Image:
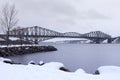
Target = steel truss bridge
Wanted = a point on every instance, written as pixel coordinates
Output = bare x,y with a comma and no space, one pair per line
37,34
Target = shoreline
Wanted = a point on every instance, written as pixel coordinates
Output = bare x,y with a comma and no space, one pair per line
7,51
53,71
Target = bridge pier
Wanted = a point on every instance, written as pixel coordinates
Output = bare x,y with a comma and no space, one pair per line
36,41
109,40
97,41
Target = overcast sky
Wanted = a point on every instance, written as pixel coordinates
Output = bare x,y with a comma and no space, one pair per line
70,15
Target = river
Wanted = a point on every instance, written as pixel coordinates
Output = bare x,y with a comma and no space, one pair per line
86,56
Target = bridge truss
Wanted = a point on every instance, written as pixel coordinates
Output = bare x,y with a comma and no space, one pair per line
36,33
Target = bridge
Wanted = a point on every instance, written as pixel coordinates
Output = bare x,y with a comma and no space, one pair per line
37,34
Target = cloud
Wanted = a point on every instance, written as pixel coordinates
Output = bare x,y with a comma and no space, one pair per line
71,15
93,14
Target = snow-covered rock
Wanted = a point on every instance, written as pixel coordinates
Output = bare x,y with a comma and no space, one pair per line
31,62
80,71
41,63
4,59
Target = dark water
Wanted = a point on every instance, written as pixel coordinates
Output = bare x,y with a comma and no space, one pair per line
86,56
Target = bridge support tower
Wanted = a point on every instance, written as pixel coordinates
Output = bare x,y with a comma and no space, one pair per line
109,40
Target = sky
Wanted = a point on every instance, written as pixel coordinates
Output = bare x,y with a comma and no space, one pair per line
69,15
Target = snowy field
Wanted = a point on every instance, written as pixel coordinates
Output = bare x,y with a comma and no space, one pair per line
50,71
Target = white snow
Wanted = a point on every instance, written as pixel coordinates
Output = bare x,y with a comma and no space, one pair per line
109,70
19,45
50,71
14,38
1,39
41,62
105,41
4,59
64,39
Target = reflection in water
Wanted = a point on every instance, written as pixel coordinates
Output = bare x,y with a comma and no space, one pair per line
86,56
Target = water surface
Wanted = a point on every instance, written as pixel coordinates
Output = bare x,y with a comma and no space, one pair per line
86,56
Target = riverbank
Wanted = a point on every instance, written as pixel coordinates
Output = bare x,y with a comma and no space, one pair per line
53,72
6,51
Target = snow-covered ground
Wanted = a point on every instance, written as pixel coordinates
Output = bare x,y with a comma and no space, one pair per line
13,38
62,40
50,71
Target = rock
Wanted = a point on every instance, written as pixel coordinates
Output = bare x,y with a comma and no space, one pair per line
20,50
41,63
32,62
97,72
64,69
10,62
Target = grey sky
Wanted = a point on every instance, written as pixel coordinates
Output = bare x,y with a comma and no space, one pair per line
70,15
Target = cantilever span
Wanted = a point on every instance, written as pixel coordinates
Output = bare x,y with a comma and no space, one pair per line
39,34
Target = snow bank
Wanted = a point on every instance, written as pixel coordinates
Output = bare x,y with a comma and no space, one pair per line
109,70
4,59
50,71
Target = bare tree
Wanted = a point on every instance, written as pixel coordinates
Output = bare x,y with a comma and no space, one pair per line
8,19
